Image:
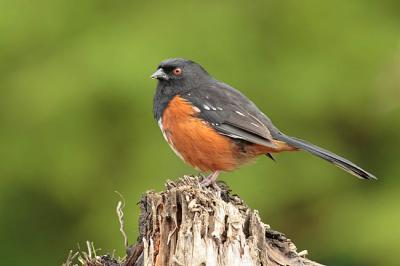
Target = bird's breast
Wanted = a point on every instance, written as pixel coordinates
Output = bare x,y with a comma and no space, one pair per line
194,141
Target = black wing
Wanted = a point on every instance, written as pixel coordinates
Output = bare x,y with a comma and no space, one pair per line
231,113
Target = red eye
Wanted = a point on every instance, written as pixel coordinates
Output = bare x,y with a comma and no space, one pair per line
177,71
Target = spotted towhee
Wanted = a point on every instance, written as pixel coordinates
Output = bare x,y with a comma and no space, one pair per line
214,127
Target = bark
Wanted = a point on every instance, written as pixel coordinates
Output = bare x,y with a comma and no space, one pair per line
188,224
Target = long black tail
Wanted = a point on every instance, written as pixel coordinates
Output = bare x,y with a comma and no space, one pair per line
326,155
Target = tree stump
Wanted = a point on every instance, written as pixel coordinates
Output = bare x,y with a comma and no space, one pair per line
188,224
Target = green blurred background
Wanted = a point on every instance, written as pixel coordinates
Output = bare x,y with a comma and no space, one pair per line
76,118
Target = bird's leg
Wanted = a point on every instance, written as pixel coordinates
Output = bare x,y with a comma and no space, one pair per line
210,180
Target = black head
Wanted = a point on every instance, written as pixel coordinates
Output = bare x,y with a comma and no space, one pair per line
176,76
180,71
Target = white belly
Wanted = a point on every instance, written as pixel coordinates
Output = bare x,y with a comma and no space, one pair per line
171,144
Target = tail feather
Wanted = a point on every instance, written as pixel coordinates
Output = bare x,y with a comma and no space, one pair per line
327,155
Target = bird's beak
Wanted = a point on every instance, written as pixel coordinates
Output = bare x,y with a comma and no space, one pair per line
160,74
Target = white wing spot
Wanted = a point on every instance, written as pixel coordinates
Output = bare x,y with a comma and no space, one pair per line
239,113
206,107
214,109
220,108
197,110
233,136
255,124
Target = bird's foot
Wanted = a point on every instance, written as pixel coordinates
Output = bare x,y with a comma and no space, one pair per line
210,181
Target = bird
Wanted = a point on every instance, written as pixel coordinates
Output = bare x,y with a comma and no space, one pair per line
215,128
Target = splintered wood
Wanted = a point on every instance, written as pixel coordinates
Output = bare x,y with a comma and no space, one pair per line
190,225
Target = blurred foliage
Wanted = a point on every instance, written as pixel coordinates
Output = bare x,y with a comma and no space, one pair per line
76,118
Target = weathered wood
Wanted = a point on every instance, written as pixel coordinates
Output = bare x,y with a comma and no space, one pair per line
188,224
